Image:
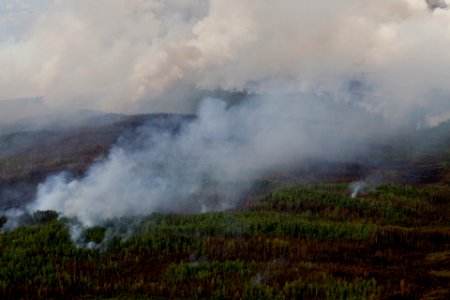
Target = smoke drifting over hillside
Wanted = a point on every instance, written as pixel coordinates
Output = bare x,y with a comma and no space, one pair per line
323,76
208,162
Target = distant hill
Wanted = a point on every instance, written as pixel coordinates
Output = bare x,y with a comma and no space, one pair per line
32,114
14,109
33,148
27,157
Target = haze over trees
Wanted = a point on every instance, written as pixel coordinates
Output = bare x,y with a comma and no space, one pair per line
212,149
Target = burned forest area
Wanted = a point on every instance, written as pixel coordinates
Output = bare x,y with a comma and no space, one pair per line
374,227
225,149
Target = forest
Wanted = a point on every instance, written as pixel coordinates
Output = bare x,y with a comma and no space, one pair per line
292,242
289,237
162,149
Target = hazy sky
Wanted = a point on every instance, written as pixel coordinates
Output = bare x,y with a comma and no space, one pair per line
17,15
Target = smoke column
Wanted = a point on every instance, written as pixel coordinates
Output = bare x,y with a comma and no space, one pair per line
207,163
126,55
326,77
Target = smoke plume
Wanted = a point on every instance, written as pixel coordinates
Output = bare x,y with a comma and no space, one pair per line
324,78
206,163
117,55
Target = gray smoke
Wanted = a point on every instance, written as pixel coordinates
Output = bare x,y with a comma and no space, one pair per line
211,160
357,187
433,4
116,55
321,88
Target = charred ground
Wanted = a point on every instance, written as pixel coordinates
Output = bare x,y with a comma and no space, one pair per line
29,157
296,234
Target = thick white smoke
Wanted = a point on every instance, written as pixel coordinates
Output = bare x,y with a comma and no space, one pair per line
326,75
115,55
210,161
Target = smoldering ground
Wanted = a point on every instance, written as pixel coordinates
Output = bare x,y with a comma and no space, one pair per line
207,163
328,79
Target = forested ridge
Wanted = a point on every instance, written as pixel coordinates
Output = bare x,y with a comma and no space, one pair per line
212,149
295,234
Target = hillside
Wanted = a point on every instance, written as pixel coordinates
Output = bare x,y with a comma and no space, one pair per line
302,149
296,234
28,157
